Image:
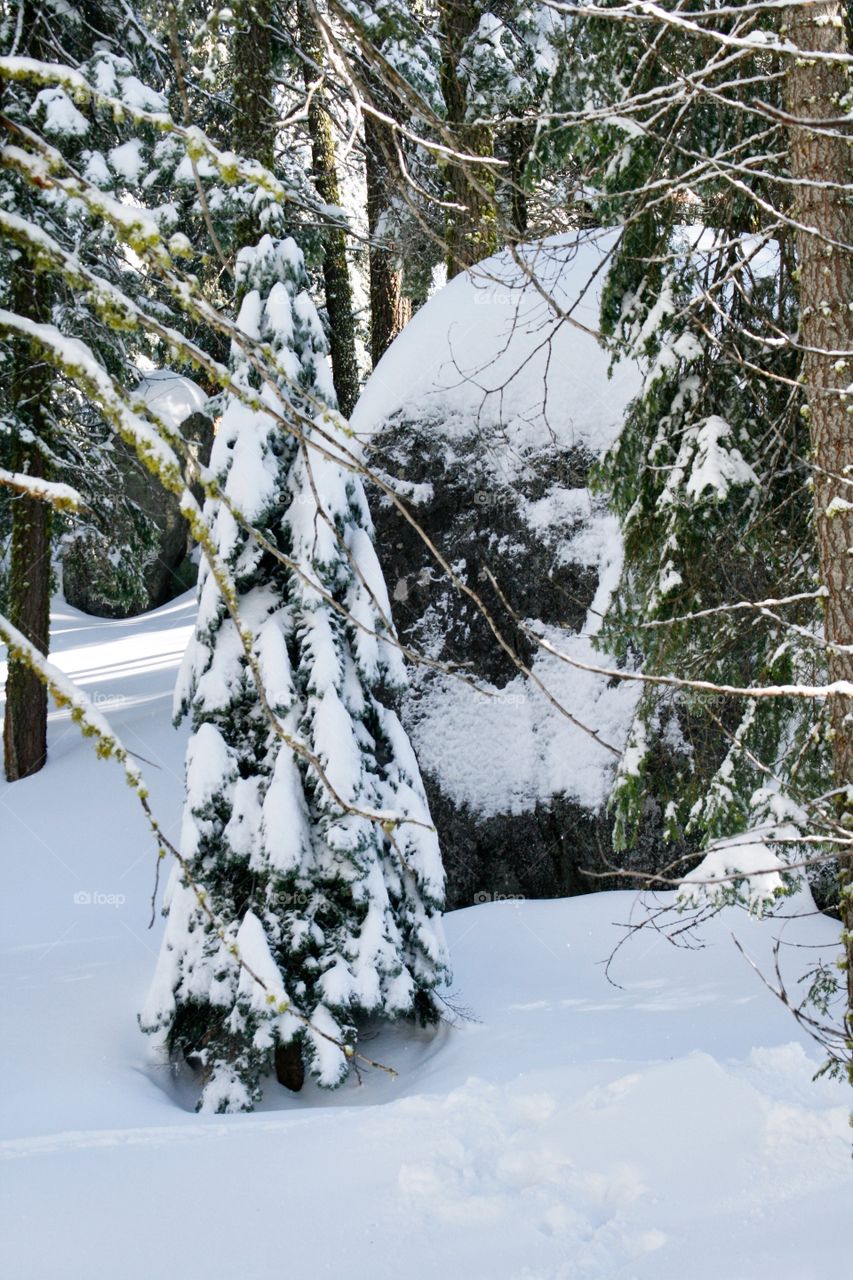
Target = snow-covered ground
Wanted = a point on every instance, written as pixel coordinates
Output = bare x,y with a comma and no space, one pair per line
665,1129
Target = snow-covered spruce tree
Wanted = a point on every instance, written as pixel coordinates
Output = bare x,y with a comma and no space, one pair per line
336,910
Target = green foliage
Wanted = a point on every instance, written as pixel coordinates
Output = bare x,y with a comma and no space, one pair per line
102,144
710,473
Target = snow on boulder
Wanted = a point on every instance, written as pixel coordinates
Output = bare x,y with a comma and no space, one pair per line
485,416
172,396
510,345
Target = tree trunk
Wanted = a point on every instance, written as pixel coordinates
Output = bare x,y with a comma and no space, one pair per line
25,726
815,91
339,304
518,144
471,226
289,1066
390,311
253,123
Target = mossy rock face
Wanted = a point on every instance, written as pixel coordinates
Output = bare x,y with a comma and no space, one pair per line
478,523
557,849
513,518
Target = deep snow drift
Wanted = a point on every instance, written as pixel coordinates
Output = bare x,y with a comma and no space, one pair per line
661,1130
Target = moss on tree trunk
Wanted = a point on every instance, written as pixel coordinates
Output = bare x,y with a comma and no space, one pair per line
25,726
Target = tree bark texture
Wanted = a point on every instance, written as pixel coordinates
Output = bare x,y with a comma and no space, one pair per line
25,724
471,224
821,154
254,121
339,304
390,310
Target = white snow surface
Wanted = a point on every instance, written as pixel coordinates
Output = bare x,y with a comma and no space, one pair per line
571,1130
485,345
172,396
502,750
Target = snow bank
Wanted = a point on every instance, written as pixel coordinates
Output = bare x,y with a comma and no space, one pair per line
571,1130
172,396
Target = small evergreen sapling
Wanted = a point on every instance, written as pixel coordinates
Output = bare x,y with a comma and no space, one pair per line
336,910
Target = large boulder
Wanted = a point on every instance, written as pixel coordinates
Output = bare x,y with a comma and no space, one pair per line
484,417
143,559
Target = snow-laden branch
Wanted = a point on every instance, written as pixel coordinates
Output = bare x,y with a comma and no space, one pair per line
61,496
811,692
230,167
647,12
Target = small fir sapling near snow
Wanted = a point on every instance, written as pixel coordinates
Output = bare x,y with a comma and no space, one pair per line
337,912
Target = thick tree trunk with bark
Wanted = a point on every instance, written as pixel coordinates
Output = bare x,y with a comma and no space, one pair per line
823,154
253,118
518,143
339,305
25,725
253,126
471,225
390,310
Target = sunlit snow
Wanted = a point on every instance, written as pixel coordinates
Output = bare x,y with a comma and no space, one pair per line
561,1128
